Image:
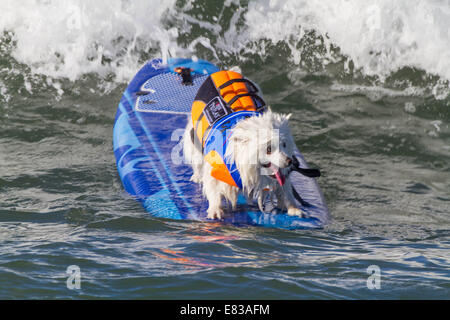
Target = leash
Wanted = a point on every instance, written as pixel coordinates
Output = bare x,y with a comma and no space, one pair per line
307,172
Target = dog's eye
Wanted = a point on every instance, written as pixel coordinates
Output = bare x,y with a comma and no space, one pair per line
269,149
284,144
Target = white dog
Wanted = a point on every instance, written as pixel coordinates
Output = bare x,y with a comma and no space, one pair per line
262,148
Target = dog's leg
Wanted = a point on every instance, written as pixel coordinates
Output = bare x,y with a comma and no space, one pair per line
279,193
192,155
213,192
249,197
289,201
197,175
214,200
214,210
231,194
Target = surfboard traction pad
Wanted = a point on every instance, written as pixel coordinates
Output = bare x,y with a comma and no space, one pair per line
149,124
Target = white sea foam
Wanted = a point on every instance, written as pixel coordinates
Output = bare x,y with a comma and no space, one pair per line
379,36
377,93
69,38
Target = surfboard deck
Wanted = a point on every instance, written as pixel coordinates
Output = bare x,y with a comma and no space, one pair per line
148,128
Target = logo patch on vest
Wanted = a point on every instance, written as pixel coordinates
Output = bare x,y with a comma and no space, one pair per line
215,110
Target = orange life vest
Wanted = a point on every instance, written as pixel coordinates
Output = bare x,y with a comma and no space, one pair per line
223,95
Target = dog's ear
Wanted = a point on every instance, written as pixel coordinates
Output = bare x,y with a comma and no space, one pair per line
288,116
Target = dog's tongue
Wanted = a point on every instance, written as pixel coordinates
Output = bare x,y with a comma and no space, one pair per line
280,177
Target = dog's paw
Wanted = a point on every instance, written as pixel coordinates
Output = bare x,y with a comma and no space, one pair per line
293,211
215,214
196,178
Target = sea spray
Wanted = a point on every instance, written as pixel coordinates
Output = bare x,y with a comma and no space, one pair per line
386,44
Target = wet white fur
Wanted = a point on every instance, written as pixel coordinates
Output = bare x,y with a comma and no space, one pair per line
248,149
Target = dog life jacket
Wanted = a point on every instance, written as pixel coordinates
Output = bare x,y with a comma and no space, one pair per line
224,99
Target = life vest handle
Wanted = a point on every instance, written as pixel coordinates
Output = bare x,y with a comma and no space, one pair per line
254,88
248,94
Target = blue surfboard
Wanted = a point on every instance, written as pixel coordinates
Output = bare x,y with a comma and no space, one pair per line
148,128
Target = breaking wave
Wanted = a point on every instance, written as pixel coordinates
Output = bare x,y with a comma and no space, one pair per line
388,43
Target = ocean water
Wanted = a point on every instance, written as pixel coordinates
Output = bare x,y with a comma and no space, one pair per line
367,84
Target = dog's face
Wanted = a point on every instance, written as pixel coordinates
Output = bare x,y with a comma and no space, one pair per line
263,146
275,153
